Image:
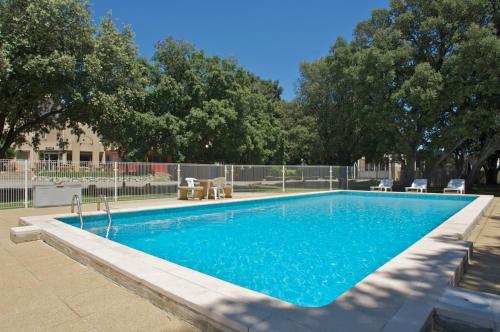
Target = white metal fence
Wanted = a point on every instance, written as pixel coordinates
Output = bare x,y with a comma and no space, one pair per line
140,180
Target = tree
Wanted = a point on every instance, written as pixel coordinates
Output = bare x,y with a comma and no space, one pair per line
302,141
119,90
421,80
57,69
44,68
474,70
428,33
327,92
211,109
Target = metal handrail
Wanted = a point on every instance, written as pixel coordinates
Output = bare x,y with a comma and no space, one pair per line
100,198
76,198
106,205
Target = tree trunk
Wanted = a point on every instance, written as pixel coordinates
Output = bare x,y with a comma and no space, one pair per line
407,171
431,172
492,169
491,146
4,149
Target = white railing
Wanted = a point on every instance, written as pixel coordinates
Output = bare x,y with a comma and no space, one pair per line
14,179
141,180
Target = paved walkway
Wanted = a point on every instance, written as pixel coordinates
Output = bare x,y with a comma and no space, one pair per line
41,289
44,290
483,274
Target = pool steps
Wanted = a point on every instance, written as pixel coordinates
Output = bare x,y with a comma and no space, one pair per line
25,234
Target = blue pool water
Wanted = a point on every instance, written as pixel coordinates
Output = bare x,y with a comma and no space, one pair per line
306,250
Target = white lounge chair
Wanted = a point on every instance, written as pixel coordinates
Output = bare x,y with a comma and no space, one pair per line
384,185
456,186
418,185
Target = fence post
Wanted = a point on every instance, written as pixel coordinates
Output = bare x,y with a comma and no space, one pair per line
225,174
347,178
390,169
331,184
232,177
178,177
115,178
26,183
283,172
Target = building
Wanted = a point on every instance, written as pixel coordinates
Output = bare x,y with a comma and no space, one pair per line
63,146
378,170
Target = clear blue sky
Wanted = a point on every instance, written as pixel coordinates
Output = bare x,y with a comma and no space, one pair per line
270,38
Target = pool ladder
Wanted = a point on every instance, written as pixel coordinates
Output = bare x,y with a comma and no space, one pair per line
76,198
104,198
100,198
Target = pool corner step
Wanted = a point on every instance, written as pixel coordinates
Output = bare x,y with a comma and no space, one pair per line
25,234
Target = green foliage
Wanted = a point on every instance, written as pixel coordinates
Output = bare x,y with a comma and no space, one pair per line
58,69
327,93
419,80
206,109
44,78
120,80
302,138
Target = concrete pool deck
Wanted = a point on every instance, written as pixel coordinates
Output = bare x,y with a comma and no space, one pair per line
42,289
483,272
34,260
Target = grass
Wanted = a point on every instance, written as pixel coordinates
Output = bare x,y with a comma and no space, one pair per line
92,199
79,174
13,205
104,173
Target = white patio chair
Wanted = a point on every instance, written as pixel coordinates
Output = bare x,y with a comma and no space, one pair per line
456,186
218,187
191,183
384,185
418,185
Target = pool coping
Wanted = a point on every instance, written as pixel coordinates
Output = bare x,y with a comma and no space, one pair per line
387,298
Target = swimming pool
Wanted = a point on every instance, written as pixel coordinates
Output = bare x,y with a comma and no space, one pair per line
306,250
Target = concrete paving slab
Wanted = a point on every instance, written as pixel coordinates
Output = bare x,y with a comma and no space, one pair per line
68,284
483,273
38,283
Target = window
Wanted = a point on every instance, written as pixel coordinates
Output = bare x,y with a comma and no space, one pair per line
49,156
85,157
22,155
377,166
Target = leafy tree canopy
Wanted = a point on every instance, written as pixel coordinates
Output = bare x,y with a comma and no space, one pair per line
199,108
419,80
58,69
43,68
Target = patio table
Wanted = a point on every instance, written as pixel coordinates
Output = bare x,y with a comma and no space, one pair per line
206,184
